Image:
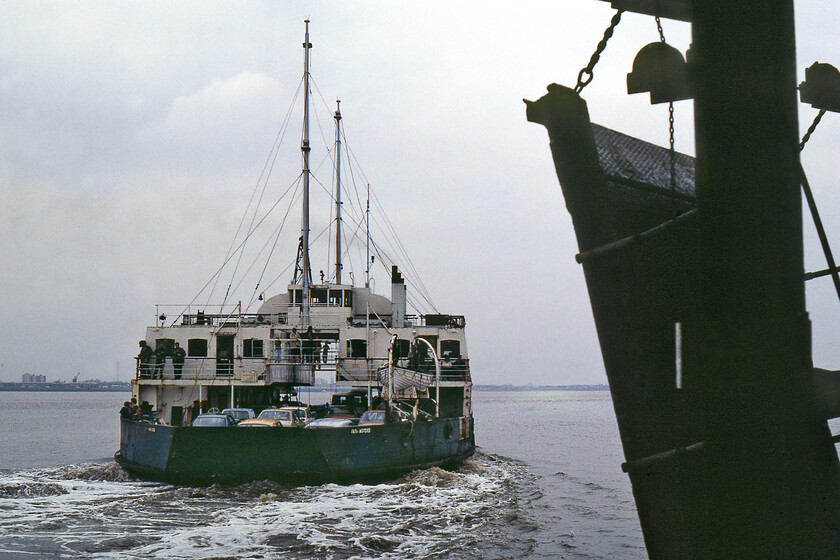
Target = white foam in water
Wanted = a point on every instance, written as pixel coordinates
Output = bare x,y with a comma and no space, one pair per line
41,511
424,512
81,512
562,496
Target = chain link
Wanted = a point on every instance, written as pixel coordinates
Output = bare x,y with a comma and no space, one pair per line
673,151
670,119
585,76
811,129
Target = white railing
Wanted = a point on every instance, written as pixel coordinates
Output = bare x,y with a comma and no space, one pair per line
364,369
254,370
283,363
211,315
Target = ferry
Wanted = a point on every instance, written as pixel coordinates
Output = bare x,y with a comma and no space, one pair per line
411,369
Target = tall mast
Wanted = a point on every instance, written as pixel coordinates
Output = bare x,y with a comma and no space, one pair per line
337,192
367,239
304,148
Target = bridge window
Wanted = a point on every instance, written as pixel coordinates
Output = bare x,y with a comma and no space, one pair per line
197,347
335,298
357,348
318,296
252,348
452,348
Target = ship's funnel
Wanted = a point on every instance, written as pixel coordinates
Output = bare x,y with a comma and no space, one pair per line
397,298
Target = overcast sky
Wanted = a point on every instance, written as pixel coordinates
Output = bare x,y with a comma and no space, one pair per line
132,135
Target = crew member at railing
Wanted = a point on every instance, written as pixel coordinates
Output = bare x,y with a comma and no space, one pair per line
144,357
325,351
160,359
308,346
178,355
413,355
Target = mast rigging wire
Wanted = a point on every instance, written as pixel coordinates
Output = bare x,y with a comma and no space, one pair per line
353,211
232,253
268,166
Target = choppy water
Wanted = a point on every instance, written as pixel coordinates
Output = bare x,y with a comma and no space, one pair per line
546,483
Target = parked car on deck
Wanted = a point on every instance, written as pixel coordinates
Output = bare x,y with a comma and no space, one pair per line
300,415
348,405
372,418
239,414
331,423
260,423
213,420
290,417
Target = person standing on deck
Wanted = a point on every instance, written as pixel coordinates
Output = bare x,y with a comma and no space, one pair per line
144,357
195,410
414,355
160,359
178,355
325,352
308,346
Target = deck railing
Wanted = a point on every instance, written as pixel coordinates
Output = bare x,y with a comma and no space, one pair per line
287,365
212,316
364,369
236,369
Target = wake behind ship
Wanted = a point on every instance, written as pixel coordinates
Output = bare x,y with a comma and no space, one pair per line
406,377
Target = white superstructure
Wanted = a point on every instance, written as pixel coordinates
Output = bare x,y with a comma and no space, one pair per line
245,359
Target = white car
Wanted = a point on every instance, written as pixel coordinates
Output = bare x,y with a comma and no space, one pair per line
330,423
239,414
213,421
300,414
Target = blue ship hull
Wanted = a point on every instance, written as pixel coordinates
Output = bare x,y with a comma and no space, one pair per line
202,456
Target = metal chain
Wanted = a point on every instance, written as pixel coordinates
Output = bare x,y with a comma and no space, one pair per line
659,28
811,129
585,75
670,118
673,152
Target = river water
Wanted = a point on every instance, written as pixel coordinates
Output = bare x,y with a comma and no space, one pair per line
545,483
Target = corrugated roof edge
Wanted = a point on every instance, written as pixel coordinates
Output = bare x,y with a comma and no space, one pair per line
633,159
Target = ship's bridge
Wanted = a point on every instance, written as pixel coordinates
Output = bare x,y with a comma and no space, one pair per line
329,305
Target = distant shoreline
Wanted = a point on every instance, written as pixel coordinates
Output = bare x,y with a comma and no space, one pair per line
541,387
125,386
58,386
